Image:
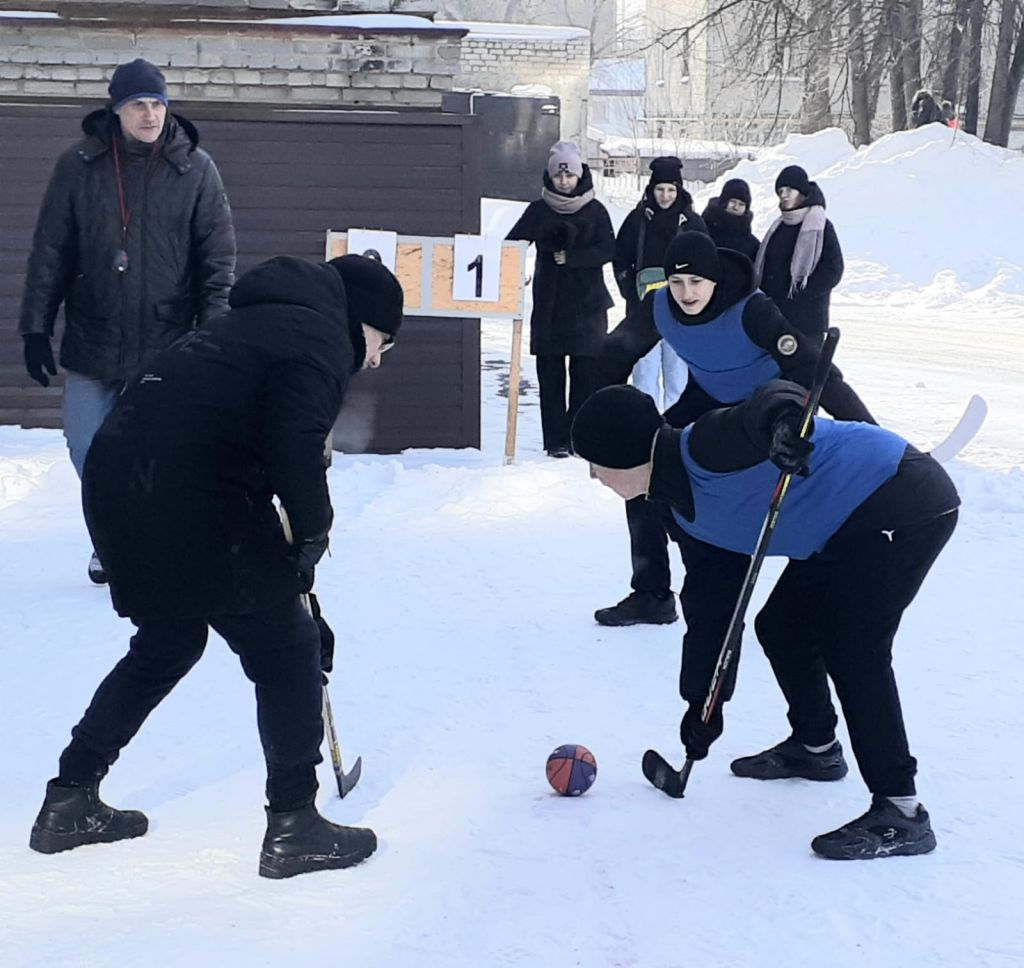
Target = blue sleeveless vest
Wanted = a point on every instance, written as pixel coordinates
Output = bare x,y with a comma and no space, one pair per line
723,360
850,461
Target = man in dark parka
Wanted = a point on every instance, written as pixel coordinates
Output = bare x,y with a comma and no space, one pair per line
134,238
178,491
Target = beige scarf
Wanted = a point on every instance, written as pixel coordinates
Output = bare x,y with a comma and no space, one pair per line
564,204
810,241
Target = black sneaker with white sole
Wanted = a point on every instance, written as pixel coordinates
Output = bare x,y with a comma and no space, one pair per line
640,608
883,831
791,758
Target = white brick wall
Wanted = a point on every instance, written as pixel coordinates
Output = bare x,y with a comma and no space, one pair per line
231,62
497,64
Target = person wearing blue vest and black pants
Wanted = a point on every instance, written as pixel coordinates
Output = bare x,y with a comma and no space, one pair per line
733,338
864,519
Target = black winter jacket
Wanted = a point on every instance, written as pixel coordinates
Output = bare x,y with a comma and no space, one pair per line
571,301
731,231
807,310
179,479
659,227
179,242
795,353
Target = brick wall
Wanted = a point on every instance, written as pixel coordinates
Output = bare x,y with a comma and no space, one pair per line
264,63
561,62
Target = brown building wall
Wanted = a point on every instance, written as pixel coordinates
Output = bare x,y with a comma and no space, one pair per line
290,176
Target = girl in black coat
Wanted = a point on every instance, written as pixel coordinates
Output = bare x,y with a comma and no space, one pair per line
728,218
800,262
665,209
574,238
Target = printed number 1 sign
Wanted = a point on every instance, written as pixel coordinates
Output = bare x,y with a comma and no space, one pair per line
477,274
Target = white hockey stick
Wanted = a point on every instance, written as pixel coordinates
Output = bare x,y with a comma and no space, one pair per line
963,433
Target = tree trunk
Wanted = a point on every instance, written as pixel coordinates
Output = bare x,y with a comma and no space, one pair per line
1000,108
954,48
972,87
897,77
855,57
910,14
816,110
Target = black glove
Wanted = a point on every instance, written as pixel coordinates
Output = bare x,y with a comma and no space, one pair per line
789,451
39,357
697,736
326,635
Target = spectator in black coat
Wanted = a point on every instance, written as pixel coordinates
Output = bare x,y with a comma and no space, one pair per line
135,239
665,209
799,262
574,238
729,217
924,109
178,490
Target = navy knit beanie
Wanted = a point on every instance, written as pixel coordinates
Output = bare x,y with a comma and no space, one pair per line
615,427
373,294
793,176
666,171
693,254
135,80
735,188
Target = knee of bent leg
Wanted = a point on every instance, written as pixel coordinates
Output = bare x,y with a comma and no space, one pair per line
772,629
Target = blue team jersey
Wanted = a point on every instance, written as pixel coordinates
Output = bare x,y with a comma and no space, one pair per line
850,461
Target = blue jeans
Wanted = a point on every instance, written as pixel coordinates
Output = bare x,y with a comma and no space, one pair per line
85,406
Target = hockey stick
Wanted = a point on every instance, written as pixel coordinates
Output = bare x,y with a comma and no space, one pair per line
657,769
346,781
964,432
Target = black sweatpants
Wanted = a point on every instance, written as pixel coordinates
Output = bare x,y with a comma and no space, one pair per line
555,417
279,649
648,547
834,616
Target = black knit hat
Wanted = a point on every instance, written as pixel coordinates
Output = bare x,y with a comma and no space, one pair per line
134,80
793,176
693,254
666,171
373,294
735,188
615,427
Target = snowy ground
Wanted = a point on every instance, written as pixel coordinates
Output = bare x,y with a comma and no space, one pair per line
462,592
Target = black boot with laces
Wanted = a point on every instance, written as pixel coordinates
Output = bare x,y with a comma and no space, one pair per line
640,608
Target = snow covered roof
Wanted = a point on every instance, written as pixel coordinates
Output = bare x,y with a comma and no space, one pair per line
617,147
517,31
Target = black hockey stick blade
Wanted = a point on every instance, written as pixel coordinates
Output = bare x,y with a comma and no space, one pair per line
346,781
663,776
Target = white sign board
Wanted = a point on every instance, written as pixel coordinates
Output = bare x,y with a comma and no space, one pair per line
368,241
477,275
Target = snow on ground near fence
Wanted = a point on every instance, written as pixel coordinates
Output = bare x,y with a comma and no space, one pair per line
462,593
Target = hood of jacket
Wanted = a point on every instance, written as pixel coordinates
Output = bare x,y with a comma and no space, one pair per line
288,281
179,139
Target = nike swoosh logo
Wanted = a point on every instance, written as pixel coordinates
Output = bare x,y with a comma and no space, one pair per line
683,266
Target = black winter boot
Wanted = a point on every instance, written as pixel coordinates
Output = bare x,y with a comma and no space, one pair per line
301,841
74,816
881,832
640,608
791,759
